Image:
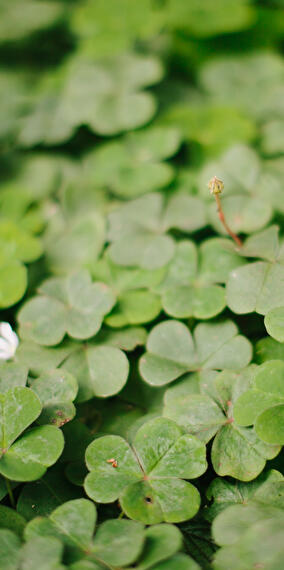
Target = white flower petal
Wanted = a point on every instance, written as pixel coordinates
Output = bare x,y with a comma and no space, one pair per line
8,341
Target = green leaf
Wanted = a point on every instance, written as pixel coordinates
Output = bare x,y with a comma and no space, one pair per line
113,98
19,408
138,229
13,283
268,349
251,81
213,127
180,561
26,459
38,359
269,425
11,520
73,305
134,308
100,371
9,549
225,493
126,339
200,303
185,294
12,375
236,451
274,323
148,479
132,166
74,243
34,18
43,552
162,541
171,350
56,390
272,137
263,404
255,287
118,542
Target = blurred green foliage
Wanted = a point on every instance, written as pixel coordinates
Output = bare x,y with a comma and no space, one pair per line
139,319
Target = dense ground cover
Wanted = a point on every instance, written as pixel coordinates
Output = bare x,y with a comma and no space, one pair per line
141,344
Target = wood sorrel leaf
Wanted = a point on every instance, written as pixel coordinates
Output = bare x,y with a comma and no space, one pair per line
263,404
148,475
236,451
172,351
26,458
73,305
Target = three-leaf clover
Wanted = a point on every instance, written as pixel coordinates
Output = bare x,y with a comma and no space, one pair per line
236,451
224,493
57,389
253,82
17,246
134,166
255,530
26,458
172,350
186,293
137,302
105,95
138,229
255,286
262,405
117,543
73,305
148,477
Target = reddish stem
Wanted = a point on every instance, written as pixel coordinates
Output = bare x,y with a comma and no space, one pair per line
223,221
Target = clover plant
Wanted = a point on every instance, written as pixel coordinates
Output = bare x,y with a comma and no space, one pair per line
141,285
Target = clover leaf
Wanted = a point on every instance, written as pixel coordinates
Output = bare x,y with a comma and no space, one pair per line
73,305
138,229
255,286
26,458
136,302
116,542
134,166
100,370
114,34
274,323
172,351
113,98
148,478
253,81
214,127
225,493
255,531
56,390
75,242
244,208
187,294
236,451
34,17
263,404
17,246
12,375
268,349
212,20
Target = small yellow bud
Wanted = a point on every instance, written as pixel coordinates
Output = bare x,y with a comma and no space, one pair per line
215,185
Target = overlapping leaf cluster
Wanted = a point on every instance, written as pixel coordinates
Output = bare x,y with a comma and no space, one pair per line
146,390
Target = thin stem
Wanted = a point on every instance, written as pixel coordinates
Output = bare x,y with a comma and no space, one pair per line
223,221
10,492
